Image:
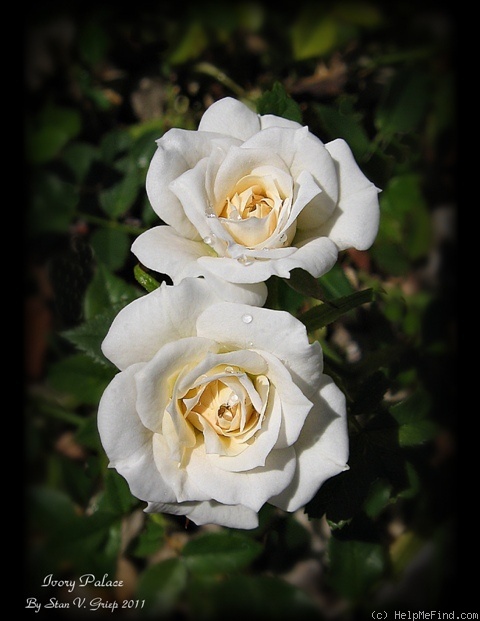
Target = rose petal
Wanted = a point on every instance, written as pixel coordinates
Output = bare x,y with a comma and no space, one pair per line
230,117
255,455
270,120
148,323
251,488
295,405
190,190
354,223
127,443
154,380
177,151
302,151
174,476
167,314
322,448
209,512
254,294
163,250
276,332
240,162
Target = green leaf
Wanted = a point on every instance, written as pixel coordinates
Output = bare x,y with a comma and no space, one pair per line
87,434
315,33
355,567
118,198
277,101
162,585
50,131
54,514
88,336
304,283
117,497
79,157
335,283
414,426
348,127
52,204
405,102
107,290
80,377
220,552
259,597
114,144
378,498
111,246
151,539
324,314
191,44
148,282
405,230
362,13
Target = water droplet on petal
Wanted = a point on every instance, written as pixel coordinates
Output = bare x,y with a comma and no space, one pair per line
210,239
244,260
283,238
229,370
250,343
247,318
211,215
233,399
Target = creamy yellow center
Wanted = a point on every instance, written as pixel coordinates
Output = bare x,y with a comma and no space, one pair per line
227,407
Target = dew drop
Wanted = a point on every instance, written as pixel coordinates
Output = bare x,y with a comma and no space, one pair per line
229,370
210,239
244,260
247,318
233,399
250,343
211,215
283,238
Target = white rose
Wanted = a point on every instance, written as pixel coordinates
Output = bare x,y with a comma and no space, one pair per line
219,408
249,196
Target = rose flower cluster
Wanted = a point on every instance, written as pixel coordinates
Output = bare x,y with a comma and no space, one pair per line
221,405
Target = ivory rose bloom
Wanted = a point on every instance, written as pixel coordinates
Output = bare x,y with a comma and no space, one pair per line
247,196
219,407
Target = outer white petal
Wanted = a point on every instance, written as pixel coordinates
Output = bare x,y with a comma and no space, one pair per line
317,257
165,251
230,117
278,332
322,448
127,443
210,512
178,150
233,270
270,120
254,294
167,314
354,223
251,488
